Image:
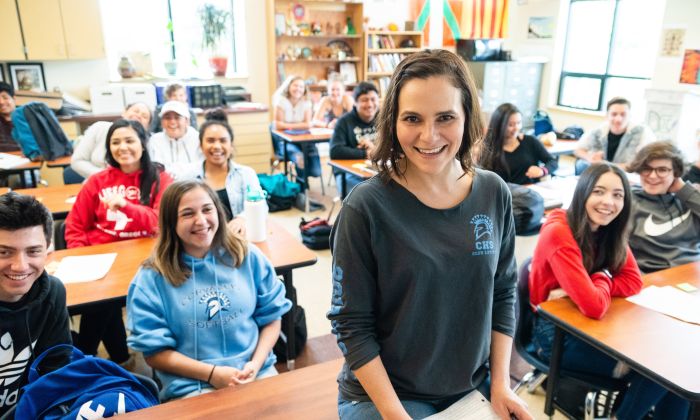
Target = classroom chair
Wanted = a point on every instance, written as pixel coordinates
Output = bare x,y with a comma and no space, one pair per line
59,235
600,392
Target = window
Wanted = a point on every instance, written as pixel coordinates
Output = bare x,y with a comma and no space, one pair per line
610,51
142,30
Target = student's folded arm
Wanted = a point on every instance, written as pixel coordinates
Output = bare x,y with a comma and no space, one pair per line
271,302
690,197
502,312
82,216
146,216
628,280
546,158
590,293
354,272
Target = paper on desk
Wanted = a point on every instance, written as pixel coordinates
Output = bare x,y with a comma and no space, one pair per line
8,161
471,406
556,192
71,200
670,301
321,131
84,267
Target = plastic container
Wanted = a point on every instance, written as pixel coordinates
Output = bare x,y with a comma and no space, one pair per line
255,208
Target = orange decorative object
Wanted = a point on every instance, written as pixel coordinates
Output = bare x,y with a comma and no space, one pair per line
218,65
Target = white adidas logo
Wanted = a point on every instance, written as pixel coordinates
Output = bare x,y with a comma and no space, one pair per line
11,368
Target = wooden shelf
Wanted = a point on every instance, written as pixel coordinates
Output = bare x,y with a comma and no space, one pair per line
319,60
323,36
397,33
393,50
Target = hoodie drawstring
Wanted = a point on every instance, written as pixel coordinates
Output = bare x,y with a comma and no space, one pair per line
221,321
194,313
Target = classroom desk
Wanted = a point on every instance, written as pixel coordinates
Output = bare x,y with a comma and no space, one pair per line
300,140
30,166
661,348
284,251
562,147
356,167
60,162
310,393
54,198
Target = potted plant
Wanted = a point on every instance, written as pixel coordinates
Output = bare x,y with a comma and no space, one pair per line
215,23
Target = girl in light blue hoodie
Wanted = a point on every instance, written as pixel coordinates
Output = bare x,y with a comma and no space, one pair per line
206,308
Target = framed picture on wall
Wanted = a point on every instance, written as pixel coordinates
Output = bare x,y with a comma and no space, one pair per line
27,76
2,73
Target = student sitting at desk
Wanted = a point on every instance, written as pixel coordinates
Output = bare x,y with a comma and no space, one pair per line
333,106
426,249
229,179
582,252
514,156
177,146
293,112
206,308
33,314
173,92
7,107
89,155
665,228
118,203
355,133
617,140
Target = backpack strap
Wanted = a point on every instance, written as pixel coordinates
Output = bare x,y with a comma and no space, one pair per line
76,354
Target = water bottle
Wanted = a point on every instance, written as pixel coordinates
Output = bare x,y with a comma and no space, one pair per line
255,208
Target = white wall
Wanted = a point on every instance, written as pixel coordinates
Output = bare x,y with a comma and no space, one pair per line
76,77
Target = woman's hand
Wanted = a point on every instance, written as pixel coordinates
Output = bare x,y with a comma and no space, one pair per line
333,122
223,376
237,225
114,202
596,156
247,374
508,405
535,172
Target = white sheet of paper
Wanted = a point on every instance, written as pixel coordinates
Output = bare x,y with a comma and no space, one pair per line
320,131
473,406
84,267
71,200
556,192
8,161
670,301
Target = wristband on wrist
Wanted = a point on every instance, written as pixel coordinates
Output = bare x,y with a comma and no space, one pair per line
545,172
211,374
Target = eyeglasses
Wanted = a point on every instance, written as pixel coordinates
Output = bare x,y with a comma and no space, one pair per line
661,171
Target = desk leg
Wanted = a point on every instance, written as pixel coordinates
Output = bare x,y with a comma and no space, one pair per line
289,325
286,157
344,186
554,365
35,181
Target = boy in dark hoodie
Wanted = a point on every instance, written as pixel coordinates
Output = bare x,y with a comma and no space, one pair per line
33,313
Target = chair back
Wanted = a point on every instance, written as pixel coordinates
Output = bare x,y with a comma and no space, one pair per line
59,235
526,319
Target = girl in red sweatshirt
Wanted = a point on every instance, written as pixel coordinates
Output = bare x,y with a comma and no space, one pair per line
583,253
118,203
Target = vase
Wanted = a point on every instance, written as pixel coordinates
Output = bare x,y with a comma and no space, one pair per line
170,67
126,68
218,65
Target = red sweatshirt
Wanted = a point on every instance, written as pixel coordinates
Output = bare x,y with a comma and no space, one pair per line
558,263
90,223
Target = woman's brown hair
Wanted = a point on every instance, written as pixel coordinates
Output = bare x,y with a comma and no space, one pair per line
423,65
167,256
654,151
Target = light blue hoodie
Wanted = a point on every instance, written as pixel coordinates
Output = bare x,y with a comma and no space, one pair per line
214,317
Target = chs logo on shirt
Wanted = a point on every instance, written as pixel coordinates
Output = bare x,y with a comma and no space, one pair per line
216,302
483,235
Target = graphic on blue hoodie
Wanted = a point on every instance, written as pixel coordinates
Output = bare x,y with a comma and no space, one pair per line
214,317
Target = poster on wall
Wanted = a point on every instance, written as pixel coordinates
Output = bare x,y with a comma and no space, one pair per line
672,42
690,73
540,27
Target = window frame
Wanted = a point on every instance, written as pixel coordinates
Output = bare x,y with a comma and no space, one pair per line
602,77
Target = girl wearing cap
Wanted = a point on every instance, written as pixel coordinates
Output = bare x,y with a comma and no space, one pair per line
177,145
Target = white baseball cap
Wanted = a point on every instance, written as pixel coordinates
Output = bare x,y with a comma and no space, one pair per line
177,107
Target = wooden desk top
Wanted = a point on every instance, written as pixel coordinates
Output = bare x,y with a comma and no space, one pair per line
284,251
347,165
61,162
23,167
303,138
656,345
308,393
54,198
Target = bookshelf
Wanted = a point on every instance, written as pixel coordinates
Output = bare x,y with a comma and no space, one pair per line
384,50
310,39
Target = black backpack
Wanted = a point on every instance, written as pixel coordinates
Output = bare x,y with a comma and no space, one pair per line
300,334
528,209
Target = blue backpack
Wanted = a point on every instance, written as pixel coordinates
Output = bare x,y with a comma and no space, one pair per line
86,388
543,124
